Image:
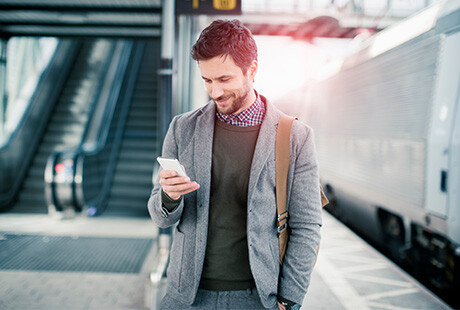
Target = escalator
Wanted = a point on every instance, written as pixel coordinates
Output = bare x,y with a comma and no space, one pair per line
132,181
67,124
110,172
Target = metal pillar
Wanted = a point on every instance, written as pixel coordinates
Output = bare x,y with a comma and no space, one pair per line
183,80
165,75
166,67
3,43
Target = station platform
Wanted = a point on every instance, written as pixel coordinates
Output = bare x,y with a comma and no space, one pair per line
105,263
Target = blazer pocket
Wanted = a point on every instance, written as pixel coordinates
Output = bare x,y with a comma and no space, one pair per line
175,259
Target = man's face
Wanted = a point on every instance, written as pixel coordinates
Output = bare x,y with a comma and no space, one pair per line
231,90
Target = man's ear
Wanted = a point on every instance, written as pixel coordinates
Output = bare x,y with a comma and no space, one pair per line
252,70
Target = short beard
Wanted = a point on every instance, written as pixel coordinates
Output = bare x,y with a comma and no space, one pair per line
236,105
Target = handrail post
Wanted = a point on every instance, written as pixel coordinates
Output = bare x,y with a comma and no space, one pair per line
165,72
3,50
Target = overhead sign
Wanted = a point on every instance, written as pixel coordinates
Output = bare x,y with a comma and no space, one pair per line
208,7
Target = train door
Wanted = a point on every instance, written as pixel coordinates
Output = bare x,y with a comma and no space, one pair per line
441,150
453,184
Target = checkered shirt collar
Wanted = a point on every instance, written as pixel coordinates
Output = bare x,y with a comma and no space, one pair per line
252,116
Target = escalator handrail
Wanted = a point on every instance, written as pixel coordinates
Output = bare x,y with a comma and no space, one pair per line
96,150
101,104
17,152
97,133
107,72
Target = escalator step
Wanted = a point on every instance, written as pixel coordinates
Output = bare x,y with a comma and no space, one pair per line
128,204
145,102
74,110
139,144
34,178
37,171
133,179
142,135
149,96
130,191
40,159
50,148
31,207
145,105
76,98
144,112
134,166
126,154
34,182
146,89
122,209
145,93
141,175
63,139
69,118
28,197
63,127
148,124
34,194
127,201
138,160
146,83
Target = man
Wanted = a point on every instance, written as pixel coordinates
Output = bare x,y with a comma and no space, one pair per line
225,252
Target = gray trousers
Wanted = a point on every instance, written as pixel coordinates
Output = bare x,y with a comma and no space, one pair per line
245,299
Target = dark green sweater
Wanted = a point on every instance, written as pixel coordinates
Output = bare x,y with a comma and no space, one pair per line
226,265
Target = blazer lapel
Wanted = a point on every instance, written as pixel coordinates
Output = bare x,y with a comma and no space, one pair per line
202,159
265,145
204,133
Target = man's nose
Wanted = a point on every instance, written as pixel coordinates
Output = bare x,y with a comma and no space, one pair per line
216,91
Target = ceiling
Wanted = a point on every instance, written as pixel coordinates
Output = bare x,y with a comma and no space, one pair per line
80,18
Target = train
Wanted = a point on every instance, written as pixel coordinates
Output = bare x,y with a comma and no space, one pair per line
387,132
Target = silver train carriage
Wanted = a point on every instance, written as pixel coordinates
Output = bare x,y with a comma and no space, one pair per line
387,130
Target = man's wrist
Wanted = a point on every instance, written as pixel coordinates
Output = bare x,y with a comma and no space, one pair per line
289,305
169,203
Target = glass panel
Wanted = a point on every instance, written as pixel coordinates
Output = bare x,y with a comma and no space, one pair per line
27,58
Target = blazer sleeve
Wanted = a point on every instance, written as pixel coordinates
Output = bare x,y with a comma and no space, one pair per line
304,207
158,212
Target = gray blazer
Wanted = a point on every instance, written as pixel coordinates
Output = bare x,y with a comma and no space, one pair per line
189,139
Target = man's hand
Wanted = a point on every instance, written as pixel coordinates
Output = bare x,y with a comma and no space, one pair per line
281,307
175,186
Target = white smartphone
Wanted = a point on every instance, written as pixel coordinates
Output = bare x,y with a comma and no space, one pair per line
172,164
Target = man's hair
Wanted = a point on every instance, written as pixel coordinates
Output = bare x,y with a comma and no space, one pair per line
223,38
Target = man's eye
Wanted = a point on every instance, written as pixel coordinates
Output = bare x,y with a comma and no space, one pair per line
225,80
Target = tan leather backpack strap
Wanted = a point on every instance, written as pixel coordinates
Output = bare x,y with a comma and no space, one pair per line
324,200
282,157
